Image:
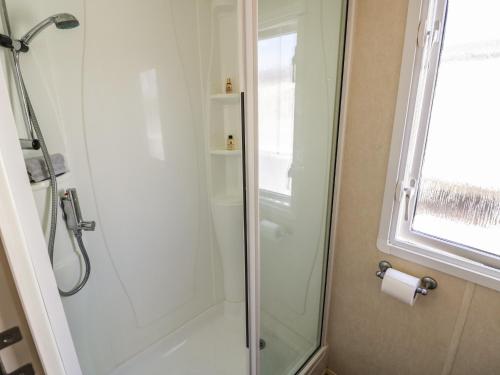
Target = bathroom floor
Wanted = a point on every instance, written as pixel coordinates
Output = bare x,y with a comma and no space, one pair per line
211,344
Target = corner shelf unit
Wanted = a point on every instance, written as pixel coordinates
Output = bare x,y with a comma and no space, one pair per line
223,109
225,167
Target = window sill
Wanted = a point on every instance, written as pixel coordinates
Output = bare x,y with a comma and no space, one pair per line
443,261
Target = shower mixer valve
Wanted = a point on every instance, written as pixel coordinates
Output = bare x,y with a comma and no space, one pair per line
73,214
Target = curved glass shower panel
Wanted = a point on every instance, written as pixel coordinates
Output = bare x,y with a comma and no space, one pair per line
299,53
135,100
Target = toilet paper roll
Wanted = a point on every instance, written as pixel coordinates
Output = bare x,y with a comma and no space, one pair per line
400,286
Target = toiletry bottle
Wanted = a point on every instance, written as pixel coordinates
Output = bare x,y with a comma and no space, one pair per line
230,144
229,86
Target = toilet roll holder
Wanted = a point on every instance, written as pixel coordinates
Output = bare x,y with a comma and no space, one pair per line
427,283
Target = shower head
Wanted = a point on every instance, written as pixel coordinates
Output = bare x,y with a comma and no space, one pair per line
61,21
65,21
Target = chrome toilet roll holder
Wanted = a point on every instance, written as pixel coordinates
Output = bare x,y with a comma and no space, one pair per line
427,283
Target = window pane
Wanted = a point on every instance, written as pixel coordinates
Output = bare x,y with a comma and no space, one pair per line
459,192
276,111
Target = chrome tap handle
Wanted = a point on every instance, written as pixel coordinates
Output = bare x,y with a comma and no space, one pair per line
87,225
73,213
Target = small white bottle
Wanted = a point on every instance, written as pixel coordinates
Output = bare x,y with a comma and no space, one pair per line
229,86
230,143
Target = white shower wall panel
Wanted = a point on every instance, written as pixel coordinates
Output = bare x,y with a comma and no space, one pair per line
149,189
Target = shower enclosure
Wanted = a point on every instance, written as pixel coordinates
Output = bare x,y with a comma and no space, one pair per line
187,199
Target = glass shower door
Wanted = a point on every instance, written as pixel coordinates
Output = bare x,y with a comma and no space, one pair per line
299,53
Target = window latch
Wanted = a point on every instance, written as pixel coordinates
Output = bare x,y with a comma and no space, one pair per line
407,191
436,32
404,196
422,34
429,31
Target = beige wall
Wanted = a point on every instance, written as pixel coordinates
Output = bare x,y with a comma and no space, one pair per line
11,315
456,329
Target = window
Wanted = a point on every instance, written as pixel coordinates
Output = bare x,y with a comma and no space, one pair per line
276,111
442,201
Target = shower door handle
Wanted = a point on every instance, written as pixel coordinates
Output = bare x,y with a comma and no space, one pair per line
245,219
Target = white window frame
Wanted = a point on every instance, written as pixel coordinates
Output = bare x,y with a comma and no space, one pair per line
423,36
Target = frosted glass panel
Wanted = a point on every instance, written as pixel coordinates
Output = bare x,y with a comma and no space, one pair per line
299,47
459,193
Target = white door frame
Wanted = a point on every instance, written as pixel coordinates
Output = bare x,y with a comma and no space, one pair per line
26,252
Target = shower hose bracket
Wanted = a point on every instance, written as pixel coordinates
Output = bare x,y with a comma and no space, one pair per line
13,44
